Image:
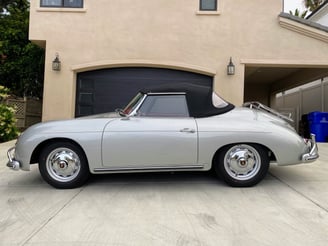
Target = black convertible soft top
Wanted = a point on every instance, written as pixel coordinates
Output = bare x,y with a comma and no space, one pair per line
199,98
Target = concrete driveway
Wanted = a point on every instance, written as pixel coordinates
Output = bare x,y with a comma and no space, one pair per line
290,207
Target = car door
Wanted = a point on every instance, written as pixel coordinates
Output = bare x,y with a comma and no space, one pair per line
161,135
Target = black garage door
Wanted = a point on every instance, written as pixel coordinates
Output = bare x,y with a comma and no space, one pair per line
105,90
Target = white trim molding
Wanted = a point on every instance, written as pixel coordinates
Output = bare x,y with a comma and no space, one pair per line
204,12
303,29
283,63
142,63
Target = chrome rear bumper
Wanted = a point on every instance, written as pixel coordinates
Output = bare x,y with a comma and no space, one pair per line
313,154
12,163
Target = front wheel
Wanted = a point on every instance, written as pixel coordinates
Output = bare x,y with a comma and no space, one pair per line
242,165
63,165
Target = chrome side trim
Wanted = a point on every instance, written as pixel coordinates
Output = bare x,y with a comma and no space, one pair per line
131,169
313,153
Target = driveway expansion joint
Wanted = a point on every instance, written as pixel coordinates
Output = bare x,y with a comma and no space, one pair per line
35,232
300,193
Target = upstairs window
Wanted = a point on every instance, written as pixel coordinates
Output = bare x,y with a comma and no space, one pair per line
62,3
208,5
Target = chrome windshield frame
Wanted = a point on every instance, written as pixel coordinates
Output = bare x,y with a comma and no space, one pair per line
137,106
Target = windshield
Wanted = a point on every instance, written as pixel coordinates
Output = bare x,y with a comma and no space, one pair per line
132,104
217,101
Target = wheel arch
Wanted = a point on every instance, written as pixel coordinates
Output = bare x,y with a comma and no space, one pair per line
271,154
37,151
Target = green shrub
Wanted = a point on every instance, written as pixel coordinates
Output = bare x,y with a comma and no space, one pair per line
8,129
3,93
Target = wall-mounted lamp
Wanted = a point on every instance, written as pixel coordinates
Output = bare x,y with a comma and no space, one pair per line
56,64
231,68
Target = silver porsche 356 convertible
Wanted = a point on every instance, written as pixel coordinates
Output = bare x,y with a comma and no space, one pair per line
165,129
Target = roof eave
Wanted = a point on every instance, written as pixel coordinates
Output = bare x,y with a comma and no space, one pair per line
304,27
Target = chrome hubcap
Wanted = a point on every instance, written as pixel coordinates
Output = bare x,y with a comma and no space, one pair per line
63,164
242,162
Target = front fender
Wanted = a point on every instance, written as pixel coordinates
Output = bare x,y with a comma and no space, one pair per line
87,133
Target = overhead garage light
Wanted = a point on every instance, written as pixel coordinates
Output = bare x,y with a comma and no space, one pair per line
56,64
231,68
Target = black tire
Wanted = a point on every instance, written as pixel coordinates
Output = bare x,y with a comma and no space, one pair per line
242,165
64,165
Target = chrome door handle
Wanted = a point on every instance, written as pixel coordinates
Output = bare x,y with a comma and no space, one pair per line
189,130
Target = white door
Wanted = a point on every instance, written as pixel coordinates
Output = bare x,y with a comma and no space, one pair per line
145,142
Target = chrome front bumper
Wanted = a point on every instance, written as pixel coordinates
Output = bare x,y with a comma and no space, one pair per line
313,154
12,163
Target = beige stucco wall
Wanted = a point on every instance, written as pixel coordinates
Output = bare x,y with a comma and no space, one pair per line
164,33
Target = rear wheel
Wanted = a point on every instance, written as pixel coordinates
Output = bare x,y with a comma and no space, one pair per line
242,165
63,165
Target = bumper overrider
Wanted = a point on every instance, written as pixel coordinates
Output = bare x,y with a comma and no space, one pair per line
313,154
12,163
